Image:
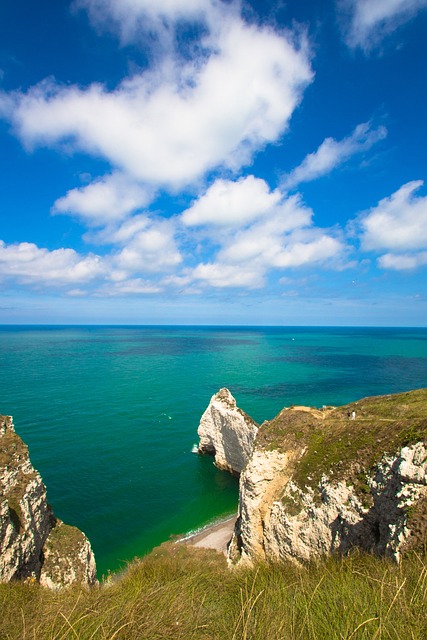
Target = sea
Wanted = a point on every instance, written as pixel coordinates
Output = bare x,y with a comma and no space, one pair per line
110,413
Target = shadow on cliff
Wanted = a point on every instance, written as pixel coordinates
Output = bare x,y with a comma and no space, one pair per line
378,530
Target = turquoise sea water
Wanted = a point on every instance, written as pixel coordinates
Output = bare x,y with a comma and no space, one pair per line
110,414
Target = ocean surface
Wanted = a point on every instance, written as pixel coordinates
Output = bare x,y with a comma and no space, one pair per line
110,414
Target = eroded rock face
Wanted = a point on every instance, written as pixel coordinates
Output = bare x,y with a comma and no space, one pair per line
33,543
280,520
67,558
227,433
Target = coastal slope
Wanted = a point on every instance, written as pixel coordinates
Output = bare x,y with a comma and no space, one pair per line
318,481
322,481
34,544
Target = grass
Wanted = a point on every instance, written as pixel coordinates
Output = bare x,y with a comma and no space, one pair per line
190,594
331,443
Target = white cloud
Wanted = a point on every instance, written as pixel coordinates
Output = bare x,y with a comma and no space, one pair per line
108,199
223,276
122,234
229,203
170,126
152,249
403,262
318,250
264,239
371,20
133,286
332,153
28,264
282,238
133,17
146,246
246,265
397,223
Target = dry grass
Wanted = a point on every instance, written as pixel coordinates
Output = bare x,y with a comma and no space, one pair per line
187,594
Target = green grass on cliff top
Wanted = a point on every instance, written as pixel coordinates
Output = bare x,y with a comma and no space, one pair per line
179,593
331,443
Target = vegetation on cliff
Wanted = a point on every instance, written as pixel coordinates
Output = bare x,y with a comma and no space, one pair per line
335,444
189,594
34,544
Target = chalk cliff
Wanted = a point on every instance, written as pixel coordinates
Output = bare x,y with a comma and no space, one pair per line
319,481
33,543
227,433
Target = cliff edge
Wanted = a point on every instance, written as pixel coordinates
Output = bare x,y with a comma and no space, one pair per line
34,544
319,481
322,481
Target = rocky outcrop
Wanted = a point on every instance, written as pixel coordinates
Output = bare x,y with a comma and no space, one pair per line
33,543
278,520
319,482
227,433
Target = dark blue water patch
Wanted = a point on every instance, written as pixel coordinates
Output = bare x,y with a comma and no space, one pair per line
173,347
358,362
345,379
137,343
299,353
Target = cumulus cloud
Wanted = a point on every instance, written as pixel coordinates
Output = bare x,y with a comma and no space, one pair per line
332,153
222,276
170,125
141,248
403,262
120,234
132,19
269,254
264,239
132,286
107,199
28,264
275,249
152,248
230,203
282,238
315,251
368,21
398,225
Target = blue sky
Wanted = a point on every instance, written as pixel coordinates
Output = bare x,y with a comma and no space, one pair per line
213,162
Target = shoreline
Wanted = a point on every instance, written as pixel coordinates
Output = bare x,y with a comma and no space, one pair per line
214,536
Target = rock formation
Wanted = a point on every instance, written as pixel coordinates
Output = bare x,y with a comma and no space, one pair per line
33,543
319,481
227,433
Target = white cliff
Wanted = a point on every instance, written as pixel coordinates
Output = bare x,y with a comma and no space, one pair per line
33,543
318,482
278,520
227,433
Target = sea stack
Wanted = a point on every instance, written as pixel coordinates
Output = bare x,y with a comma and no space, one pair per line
34,544
227,433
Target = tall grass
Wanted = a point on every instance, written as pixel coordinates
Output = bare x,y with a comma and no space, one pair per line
188,594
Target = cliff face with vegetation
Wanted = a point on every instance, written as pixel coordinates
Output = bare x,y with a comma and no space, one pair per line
33,543
319,481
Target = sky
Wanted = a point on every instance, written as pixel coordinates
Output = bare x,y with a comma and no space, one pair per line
217,162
